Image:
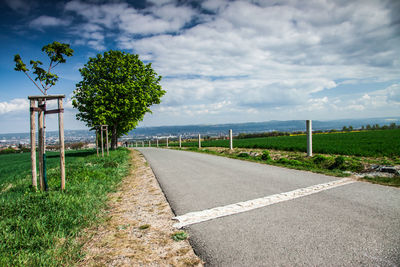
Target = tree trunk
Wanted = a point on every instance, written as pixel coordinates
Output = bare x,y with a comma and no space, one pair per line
114,138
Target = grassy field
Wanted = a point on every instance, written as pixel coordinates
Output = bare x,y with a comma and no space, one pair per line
41,228
367,143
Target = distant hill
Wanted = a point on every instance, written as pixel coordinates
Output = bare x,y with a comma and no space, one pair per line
253,127
218,129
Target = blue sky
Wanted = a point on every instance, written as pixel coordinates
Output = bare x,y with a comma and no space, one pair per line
222,61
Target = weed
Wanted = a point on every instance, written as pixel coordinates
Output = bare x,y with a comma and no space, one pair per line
144,227
180,235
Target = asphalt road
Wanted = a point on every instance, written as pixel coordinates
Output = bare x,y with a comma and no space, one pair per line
355,224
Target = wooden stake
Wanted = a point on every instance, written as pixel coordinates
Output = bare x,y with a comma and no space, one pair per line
101,141
97,142
40,146
61,137
33,145
107,140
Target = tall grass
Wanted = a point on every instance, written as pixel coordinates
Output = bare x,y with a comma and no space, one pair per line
40,228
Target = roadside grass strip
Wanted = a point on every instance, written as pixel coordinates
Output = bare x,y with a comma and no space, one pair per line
210,214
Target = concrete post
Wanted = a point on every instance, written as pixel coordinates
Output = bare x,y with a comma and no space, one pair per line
142,143
309,137
199,141
180,141
230,140
167,141
157,142
149,143
136,144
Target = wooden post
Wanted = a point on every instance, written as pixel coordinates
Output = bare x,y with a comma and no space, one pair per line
309,137
101,141
108,153
180,141
97,141
149,143
40,145
61,137
230,140
167,141
157,142
33,144
142,143
199,141
136,144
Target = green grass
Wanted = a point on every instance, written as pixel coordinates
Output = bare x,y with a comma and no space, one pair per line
366,143
41,228
393,181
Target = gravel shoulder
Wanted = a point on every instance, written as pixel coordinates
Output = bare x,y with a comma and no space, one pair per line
138,229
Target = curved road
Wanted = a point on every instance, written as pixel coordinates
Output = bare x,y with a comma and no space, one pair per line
348,224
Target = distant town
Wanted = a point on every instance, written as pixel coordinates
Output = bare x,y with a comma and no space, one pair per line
86,138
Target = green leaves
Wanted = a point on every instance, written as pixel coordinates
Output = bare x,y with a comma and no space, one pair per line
56,52
19,64
117,89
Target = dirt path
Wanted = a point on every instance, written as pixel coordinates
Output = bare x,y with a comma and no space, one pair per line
138,231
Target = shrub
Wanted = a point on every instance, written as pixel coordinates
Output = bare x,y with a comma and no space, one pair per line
338,163
319,159
243,155
283,161
265,155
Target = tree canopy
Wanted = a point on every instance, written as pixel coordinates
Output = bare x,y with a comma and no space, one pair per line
56,52
117,89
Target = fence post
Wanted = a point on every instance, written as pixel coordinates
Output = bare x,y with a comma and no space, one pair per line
142,143
167,141
149,143
199,141
157,142
180,141
230,140
309,137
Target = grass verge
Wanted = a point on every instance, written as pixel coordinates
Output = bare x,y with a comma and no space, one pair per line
41,228
334,165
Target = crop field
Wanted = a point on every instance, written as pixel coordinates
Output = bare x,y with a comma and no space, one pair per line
365,143
40,228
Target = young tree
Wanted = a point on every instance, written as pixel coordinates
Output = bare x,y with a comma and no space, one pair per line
117,89
56,52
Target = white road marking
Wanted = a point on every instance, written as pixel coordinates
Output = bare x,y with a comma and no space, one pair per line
205,215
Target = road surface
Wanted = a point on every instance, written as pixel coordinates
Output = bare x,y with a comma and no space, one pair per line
305,219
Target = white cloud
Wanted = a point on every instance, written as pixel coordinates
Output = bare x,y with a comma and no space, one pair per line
14,105
20,6
262,56
46,21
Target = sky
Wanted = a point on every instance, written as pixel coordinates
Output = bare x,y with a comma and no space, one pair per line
222,61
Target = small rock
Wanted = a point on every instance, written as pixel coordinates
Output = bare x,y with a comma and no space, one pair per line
389,169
